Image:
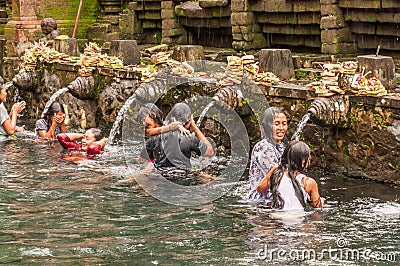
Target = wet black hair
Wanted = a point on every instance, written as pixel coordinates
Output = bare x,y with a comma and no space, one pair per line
150,109
180,112
267,121
98,134
294,158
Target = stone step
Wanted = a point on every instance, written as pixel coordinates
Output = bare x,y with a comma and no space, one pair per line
3,14
109,19
112,10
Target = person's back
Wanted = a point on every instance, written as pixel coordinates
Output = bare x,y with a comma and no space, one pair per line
290,188
288,193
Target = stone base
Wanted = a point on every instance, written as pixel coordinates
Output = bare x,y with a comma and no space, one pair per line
382,67
188,53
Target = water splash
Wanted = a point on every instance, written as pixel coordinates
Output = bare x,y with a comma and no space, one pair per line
203,113
52,99
115,130
17,97
300,126
9,84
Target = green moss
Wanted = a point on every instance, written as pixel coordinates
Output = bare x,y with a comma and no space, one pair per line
301,74
157,37
101,83
67,11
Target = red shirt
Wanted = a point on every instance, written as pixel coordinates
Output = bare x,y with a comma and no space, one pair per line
67,143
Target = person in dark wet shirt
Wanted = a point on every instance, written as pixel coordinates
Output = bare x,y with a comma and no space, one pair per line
172,150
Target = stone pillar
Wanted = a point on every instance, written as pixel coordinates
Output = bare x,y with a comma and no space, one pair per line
382,67
69,46
336,36
172,30
246,33
22,27
277,61
188,53
127,50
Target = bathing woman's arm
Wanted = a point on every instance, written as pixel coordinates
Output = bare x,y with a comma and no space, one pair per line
166,128
210,150
311,187
265,182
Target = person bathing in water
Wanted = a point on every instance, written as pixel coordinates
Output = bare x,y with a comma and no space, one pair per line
290,188
267,153
92,142
153,120
8,121
52,124
172,150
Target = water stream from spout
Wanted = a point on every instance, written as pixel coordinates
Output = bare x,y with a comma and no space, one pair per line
9,84
116,126
300,126
52,99
204,112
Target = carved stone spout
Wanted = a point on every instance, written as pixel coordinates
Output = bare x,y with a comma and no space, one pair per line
331,111
83,88
25,80
228,95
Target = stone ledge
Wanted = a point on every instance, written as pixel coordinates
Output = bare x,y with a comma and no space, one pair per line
294,91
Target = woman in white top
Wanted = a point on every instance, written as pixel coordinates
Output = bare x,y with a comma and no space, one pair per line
290,188
8,122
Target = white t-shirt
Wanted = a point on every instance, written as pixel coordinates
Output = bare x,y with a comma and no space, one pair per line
286,190
3,117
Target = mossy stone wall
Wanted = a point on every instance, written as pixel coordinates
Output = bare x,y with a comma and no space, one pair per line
65,11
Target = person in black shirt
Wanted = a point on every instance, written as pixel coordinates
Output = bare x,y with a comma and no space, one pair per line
172,149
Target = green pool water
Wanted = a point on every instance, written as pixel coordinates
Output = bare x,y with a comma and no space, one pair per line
55,212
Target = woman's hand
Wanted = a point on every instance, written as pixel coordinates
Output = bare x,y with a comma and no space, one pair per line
19,129
174,125
18,107
59,118
178,125
183,130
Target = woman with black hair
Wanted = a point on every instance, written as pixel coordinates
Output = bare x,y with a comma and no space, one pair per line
8,121
172,149
153,120
52,124
291,189
267,153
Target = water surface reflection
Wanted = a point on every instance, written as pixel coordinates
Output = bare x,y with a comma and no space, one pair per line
53,211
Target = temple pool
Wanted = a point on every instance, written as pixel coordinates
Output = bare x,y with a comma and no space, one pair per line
54,211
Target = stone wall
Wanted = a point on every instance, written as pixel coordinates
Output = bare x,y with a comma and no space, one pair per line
373,23
289,23
327,26
24,25
366,146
